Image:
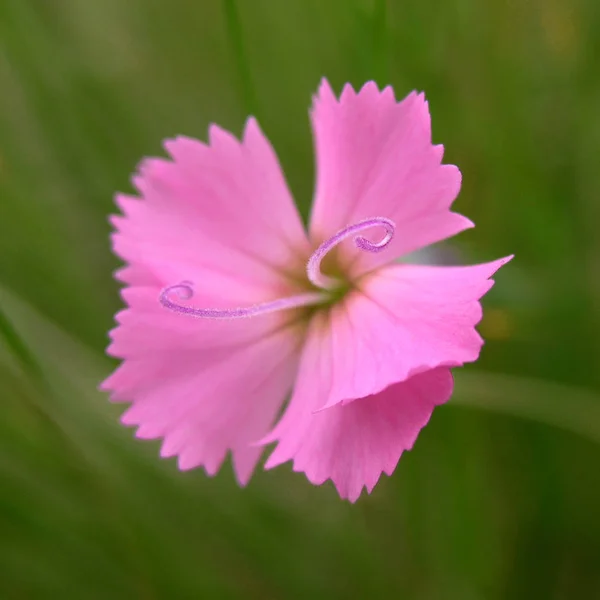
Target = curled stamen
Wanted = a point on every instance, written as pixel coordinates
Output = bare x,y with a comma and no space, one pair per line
185,291
313,268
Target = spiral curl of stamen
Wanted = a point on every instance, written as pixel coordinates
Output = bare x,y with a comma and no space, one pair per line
313,268
185,290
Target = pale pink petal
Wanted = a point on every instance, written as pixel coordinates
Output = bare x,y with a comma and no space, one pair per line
404,320
206,387
221,216
136,275
375,159
218,214
351,444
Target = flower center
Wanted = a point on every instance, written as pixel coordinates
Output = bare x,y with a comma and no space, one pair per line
331,288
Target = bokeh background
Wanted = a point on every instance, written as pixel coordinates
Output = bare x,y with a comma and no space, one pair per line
500,497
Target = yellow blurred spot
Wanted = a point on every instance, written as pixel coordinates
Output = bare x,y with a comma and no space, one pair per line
496,324
560,25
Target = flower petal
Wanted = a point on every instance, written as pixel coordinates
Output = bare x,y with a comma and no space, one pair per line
219,213
351,444
221,216
375,159
205,387
404,320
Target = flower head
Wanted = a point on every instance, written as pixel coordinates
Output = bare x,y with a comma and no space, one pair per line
232,306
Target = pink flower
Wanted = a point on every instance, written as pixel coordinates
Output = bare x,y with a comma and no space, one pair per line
362,343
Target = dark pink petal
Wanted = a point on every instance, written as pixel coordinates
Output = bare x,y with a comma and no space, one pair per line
404,320
375,159
351,444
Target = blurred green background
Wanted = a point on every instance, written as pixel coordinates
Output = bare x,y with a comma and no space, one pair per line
501,496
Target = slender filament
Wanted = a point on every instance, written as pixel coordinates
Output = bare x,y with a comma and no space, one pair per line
185,291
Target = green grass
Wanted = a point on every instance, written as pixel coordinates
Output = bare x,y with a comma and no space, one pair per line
500,497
